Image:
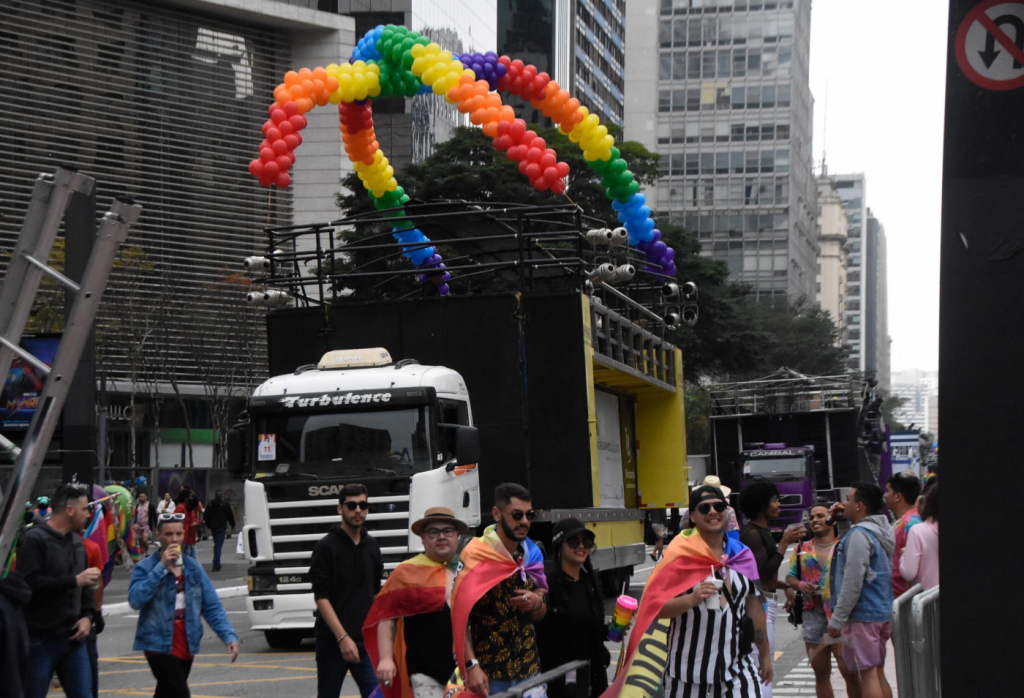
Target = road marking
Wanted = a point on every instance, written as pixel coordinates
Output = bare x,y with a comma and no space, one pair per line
123,671
777,654
230,683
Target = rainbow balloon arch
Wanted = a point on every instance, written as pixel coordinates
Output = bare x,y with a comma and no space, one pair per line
392,61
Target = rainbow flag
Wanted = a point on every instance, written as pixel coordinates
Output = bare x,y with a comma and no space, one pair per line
687,561
484,563
416,586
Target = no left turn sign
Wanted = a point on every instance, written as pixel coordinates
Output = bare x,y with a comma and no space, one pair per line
990,45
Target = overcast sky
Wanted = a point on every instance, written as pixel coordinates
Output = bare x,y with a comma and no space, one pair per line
884,64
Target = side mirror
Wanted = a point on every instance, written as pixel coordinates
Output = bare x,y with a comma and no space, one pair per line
236,450
467,445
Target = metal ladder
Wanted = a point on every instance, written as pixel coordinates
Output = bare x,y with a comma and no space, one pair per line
27,266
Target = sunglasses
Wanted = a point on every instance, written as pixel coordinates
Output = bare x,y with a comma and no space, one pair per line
705,507
580,541
518,515
172,517
352,506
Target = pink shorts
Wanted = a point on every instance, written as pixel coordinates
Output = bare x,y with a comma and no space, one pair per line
868,641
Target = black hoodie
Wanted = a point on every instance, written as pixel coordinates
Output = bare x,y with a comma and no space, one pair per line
49,563
347,575
14,596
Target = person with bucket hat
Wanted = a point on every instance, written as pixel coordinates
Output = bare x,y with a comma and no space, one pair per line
574,626
408,632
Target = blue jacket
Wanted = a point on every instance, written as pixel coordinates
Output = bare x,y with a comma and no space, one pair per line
861,574
152,593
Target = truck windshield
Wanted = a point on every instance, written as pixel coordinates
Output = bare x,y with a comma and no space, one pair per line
342,443
775,468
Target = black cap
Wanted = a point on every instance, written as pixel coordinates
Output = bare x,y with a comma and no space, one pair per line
705,492
566,528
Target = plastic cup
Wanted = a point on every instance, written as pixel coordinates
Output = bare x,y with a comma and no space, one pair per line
625,607
713,602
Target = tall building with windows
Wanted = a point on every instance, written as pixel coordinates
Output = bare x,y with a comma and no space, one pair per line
832,231
867,296
579,43
408,129
719,88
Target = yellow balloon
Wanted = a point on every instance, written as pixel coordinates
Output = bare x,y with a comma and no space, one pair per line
334,97
418,50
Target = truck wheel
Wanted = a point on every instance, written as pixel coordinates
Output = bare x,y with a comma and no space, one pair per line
283,639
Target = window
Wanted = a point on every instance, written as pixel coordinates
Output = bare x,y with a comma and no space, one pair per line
692,165
722,129
679,33
677,164
739,63
739,95
724,64
722,97
707,190
707,163
767,132
750,222
665,34
753,97
768,96
707,133
664,166
736,132
754,63
767,160
735,220
693,65
678,100
736,162
693,99
753,132
664,101
782,160
665,67
783,95
722,163
678,133
782,132
750,198
708,65
751,160
853,276
781,191
693,33
679,65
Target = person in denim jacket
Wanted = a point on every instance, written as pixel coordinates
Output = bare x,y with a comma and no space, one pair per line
172,594
861,583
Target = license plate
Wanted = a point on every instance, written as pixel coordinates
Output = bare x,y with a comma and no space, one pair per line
290,579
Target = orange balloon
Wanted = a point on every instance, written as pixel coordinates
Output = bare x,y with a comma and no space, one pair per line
304,73
490,128
332,84
309,87
297,92
283,98
320,74
291,78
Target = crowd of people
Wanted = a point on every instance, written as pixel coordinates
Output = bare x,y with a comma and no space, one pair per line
497,613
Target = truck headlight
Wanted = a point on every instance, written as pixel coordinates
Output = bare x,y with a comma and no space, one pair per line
264,583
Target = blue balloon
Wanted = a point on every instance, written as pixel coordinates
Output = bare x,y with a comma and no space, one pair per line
417,257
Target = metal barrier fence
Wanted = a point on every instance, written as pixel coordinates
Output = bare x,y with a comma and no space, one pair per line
915,638
580,670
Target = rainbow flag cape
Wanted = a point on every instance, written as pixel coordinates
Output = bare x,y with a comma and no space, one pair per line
96,531
484,563
416,586
687,561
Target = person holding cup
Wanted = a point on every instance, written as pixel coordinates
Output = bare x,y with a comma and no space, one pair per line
574,627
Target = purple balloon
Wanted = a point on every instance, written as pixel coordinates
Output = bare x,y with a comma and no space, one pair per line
656,235
442,290
670,254
659,248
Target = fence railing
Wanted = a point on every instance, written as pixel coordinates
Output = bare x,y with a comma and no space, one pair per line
915,638
578,670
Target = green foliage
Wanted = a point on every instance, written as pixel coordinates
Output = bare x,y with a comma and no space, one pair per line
890,405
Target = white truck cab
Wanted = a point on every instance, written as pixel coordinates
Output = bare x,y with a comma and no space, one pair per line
401,429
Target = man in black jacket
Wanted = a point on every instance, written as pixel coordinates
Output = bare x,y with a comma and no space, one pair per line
51,558
345,571
218,517
14,596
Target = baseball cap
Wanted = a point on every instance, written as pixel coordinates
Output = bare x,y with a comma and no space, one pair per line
567,528
705,492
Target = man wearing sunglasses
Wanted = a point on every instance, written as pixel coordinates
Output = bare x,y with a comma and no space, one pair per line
412,614
501,642
173,595
345,571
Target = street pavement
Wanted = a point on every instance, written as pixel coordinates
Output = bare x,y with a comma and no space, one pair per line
262,672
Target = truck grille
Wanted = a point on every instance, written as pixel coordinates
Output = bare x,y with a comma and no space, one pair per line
791,500
296,526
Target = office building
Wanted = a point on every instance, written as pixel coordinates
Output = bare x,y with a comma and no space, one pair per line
408,129
832,230
876,303
720,90
163,103
920,389
579,43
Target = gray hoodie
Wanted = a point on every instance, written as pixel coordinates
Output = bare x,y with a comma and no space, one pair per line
865,585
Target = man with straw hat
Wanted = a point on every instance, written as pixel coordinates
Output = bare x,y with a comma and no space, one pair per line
408,632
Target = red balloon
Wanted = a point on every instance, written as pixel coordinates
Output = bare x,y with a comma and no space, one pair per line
562,168
291,157
503,142
274,134
550,175
271,169
284,162
533,171
280,147
503,127
286,127
548,160
267,125
523,164
534,154
298,121
299,136
277,114
256,168
292,140
517,130
265,180
282,180
516,85
266,154
291,109
558,186
263,144
539,184
539,144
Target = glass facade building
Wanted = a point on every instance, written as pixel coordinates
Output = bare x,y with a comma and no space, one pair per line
730,113
579,43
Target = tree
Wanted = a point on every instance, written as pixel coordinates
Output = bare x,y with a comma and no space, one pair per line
891,404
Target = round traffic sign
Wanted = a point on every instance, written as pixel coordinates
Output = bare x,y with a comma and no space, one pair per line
990,44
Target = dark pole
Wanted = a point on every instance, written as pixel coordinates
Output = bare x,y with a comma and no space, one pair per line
981,332
78,441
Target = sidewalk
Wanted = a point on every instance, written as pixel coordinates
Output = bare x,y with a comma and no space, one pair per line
230,578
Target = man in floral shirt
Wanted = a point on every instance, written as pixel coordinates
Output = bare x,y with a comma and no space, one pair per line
901,492
808,578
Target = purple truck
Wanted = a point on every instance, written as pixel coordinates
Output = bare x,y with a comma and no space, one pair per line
812,436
